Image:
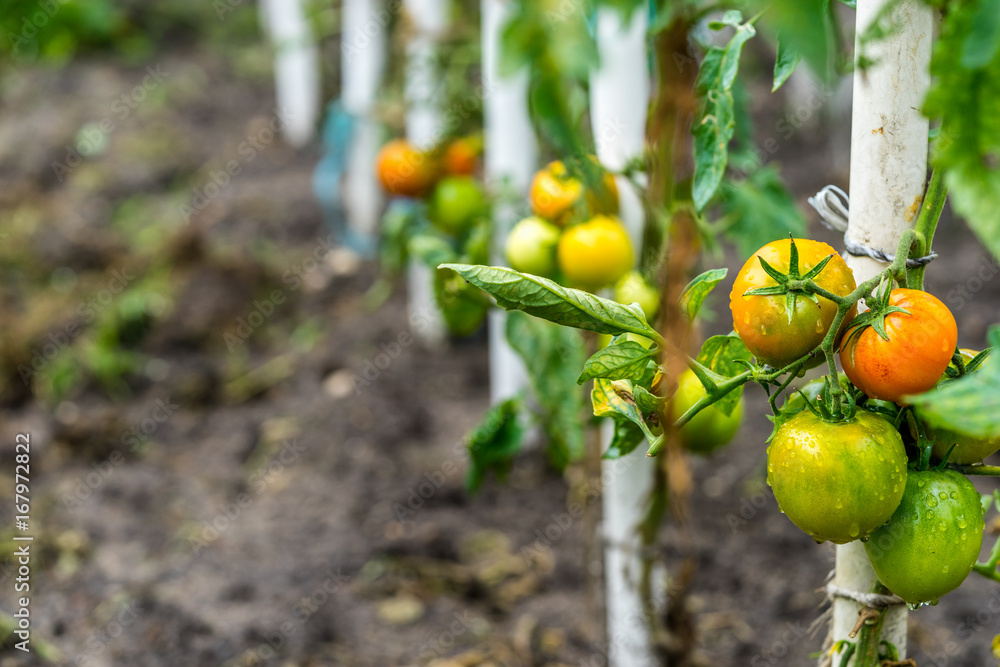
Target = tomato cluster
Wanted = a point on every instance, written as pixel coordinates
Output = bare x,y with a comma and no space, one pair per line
445,182
849,459
574,235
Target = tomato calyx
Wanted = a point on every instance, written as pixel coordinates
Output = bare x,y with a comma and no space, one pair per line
875,316
792,284
827,407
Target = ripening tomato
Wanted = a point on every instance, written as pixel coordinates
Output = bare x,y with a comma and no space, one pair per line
461,157
774,335
463,306
404,170
633,288
596,253
531,247
920,346
456,203
933,539
837,481
555,194
709,429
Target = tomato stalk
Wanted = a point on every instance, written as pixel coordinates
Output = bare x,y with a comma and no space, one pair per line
927,221
989,568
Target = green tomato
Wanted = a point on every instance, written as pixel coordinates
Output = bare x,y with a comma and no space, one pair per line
633,288
837,481
456,203
967,448
709,429
463,306
933,539
531,247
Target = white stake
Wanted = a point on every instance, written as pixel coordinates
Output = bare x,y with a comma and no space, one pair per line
888,176
424,127
363,55
296,68
619,97
511,157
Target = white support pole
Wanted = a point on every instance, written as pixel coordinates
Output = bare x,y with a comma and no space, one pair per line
619,96
424,126
363,56
888,176
510,159
296,68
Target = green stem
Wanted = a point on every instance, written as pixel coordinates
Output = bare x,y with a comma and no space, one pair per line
989,568
927,221
985,471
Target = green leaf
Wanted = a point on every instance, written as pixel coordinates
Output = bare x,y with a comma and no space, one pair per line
983,39
760,210
721,354
968,101
548,300
787,60
646,400
969,405
714,124
398,224
696,291
627,437
431,249
607,403
806,26
552,354
493,444
620,361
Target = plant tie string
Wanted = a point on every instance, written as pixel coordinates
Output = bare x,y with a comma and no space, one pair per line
833,206
872,600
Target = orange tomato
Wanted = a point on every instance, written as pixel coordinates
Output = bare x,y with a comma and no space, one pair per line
555,194
404,170
920,346
461,157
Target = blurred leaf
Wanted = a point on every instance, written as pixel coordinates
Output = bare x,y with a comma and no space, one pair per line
431,249
968,101
806,26
720,354
493,444
619,361
983,39
626,438
787,60
761,210
713,125
551,301
398,224
697,291
969,405
552,354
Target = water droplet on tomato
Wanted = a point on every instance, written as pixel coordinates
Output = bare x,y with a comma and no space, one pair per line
854,530
763,329
932,501
819,326
934,602
943,495
866,538
920,483
942,526
954,495
839,505
944,570
962,524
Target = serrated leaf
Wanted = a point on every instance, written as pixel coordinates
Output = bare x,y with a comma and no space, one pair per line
626,438
721,355
645,400
622,361
806,26
494,442
552,354
607,403
696,291
714,123
785,63
761,209
968,145
551,301
969,405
